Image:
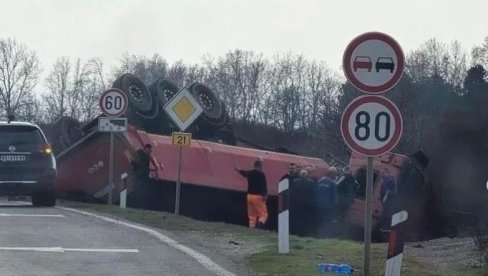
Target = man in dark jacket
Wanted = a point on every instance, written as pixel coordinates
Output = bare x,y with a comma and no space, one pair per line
302,206
141,160
292,173
345,190
346,187
257,193
140,182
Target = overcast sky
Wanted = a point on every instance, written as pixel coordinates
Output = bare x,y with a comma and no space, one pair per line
189,29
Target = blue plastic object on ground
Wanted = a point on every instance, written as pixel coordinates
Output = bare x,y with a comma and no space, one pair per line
336,268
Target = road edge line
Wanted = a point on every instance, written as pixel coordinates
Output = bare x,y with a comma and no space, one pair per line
199,257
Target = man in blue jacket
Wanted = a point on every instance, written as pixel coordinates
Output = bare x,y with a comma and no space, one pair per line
326,200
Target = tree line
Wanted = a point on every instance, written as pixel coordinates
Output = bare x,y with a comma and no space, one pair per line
288,92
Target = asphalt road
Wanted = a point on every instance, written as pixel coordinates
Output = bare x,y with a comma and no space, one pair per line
51,241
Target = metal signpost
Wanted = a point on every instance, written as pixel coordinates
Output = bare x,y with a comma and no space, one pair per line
183,109
113,103
372,125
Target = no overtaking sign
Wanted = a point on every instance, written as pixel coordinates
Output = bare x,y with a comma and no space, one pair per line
373,62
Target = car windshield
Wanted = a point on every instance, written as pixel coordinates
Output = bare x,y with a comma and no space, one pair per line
363,59
20,135
385,59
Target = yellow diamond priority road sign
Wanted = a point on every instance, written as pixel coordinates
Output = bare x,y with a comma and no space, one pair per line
183,109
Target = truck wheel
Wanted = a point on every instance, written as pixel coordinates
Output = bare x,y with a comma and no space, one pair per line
70,130
139,97
213,109
66,132
163,91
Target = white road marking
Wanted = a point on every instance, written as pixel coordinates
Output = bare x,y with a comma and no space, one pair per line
14,203
30,215
199,257
61,250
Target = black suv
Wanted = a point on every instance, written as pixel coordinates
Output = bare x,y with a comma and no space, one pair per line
27,164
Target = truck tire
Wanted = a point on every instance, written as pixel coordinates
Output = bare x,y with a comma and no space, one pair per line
214,114
163,91
67,131
140,100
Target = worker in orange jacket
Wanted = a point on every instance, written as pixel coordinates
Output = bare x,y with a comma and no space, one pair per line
257,193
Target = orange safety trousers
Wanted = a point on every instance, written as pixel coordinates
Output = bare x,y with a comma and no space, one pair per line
256,209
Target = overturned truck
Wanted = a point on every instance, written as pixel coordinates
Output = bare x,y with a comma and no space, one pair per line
211,188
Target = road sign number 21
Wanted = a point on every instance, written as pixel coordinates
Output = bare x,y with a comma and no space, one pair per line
181,139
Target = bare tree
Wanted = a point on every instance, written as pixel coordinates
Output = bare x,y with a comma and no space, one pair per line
177,73
479,54
91,84
322,91
457,67
60,89
239,77
434,58
287,77
74,89
19,71
146,69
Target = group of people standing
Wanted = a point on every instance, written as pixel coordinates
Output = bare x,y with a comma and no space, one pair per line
317,203
314,204
318,207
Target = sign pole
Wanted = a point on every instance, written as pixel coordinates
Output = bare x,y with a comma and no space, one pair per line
178,183
177,109
111,168
368,217
283,217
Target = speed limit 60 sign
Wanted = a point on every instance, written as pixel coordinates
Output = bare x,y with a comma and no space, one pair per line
371,125
113,102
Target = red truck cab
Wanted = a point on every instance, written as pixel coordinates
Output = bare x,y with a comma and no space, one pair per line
413,195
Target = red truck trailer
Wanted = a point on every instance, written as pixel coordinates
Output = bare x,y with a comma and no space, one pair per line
211,186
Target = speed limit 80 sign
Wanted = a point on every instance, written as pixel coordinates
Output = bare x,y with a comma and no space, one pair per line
371,125
113,102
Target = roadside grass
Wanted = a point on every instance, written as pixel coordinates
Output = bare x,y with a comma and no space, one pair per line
305,253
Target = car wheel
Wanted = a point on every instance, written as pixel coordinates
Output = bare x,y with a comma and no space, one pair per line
36,200
140,100
213,108
47,199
